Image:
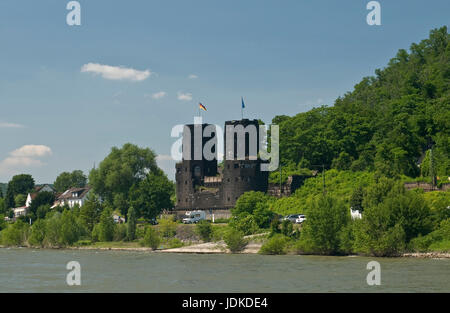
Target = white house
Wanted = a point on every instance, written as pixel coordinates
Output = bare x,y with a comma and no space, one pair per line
22,211
355,214
72,197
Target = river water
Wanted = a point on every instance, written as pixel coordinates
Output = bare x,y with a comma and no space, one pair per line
29,270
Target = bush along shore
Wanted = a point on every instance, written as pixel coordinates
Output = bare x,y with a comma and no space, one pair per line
395,222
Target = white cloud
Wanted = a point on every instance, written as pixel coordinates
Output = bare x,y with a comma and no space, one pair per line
159,95
192,76
184,96
32,151
164,157
10,125
115,72
25,157
167,164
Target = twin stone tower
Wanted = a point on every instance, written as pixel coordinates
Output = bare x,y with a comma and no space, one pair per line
204,184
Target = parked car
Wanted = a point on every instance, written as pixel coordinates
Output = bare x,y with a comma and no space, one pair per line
300,219
194,217
292,217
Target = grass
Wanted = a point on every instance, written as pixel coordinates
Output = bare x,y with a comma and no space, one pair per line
114,244
440,246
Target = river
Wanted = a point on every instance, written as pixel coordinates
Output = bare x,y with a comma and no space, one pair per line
33,270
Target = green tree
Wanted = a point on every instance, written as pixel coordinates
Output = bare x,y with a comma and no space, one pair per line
167,226
153,194
42,198
326,218
19,184
38,233
205,230
255,204
2,206
275,245
53,229
3,223
244,223
131,224
67,180
70,230
90,212
42,211
151,238
106,226
356,199
234,239
19,200
122,169
15,234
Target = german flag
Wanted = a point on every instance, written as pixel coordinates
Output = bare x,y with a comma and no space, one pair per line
201,106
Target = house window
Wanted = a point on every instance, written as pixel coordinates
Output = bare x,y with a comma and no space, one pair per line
197,171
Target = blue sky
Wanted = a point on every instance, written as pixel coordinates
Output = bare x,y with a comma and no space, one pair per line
284,57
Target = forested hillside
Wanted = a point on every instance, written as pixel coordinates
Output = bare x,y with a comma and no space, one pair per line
387,123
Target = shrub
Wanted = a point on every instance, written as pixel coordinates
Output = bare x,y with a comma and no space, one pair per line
120,232
275,226
433,239
131,224
38,233
287,228
245,223
204,230
53,229
175,243
235,240
167,226
256,204
106,226
325,219
390,222
151,238
218,233
16,234
380,242
275,245
221,220
3,223
70,230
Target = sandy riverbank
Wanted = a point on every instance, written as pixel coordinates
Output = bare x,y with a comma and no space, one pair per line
220,248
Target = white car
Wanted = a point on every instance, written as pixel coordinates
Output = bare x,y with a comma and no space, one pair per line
300,219
193,217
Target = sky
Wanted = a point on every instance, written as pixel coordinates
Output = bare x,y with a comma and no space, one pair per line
134,69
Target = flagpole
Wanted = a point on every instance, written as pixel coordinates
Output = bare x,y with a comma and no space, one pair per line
242,108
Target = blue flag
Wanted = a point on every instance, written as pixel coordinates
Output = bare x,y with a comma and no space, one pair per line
243,104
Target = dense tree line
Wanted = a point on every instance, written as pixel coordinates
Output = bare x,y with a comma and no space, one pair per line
386,123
